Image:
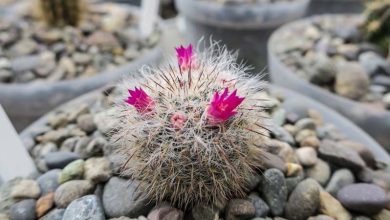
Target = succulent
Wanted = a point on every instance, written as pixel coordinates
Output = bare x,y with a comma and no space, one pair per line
193,130
61,12
377,23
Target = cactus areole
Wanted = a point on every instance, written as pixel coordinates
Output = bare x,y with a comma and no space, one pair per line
192,130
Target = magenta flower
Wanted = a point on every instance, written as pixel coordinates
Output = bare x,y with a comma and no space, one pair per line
185,57
222,107
140,100
178,120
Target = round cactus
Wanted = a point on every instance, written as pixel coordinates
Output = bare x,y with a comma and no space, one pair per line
192,131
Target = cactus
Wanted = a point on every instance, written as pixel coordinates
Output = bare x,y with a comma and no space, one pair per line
192,130
377,23
62,12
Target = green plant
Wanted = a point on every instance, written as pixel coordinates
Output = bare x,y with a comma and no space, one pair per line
184,135
377,23
62,12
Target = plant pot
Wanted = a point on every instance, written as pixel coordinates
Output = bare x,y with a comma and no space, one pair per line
374,121
335,6
243,27
25,102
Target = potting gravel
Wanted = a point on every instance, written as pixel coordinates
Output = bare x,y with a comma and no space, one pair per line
311,172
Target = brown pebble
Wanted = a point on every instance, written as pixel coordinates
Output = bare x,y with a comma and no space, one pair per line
44,204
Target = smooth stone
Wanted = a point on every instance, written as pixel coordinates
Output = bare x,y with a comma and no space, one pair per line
86,123
253,182
281,134
239,209
363,198
303,134
362,150
26,189
60,159
165,212
331,207
55,214
87,147
321,217
320,172
4,216
72,190
44,204
292,182
279,116
383,215
303,201
261,207
361,218
23,210
382,179
322,69
340,156
203,212
374,63
351,81
97,169
307,156
386,100
273,161
293,169
340,178
87,207
48,182
311,141
72,171
274,189
121,198
305,123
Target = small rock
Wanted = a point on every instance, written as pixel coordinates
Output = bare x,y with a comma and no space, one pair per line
55,214
104,122
362,150
339,179
383,215
86,123
273,161
166,212
5,75
303,201
48,182
386,100
239,209
253,182
321,217
320,172
120,198
23,210
87,148
202,212
364,198
72,171
26,189
87,207
82,58
374,63
292,182
307,156
341,156
351,81
274,190
311,141
305,123
330,206
303,134
58,120
97,170
293,169
261,207
55,136
72,190
44,204
60,159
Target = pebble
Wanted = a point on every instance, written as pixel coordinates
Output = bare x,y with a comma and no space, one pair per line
303,201
97,170
239,209
120,198
307,156
85,122
274,189
203,212
364,198
383,215
87,147
373,63
165,212
72,190
72,171
60,159
293,169
340,178
23,210
55,214
87,207
261,207
48,182
320,172
44,204
362,150
386,100
26,189
292,182
351,81
253,182
321,217
340,156
331,207
311,141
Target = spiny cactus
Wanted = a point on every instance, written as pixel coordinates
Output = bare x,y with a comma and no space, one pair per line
62,12
377,24
192,130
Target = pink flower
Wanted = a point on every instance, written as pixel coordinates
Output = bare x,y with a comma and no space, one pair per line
178,120
222,107
140,100
185,57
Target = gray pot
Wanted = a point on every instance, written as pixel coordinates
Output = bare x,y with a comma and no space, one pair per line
24,103
243,27
375,122
294,102
335,6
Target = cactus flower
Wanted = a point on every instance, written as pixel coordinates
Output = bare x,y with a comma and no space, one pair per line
185,57
178,120
140,100
222,107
